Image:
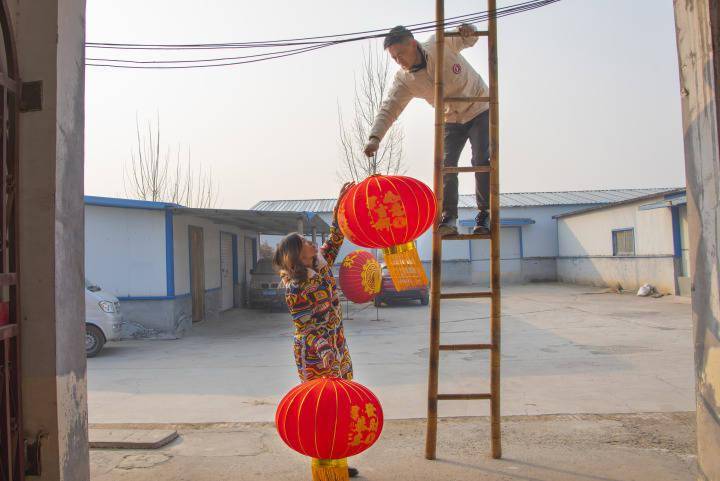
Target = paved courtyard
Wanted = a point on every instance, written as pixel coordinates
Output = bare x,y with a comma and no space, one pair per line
610,447
566,349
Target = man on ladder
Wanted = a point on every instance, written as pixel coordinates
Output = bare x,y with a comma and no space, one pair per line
464,121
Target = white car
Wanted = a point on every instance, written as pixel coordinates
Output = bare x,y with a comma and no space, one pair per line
103,321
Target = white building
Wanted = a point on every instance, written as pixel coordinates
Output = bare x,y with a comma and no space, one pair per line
172,265
529,235
628,243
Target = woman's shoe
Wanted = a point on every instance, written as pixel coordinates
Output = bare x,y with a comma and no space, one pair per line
353,472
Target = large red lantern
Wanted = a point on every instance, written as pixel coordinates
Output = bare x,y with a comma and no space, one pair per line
360,277
390,212
329,419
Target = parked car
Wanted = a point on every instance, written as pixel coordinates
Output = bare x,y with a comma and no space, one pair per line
266,290
389,293
103,321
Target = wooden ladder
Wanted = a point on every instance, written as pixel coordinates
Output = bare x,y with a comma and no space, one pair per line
436,278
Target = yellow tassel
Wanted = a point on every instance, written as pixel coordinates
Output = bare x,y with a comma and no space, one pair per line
330,470
405,267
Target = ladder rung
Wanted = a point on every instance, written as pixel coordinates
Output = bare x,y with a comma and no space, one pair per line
463,397
466,237
459,170
480,33
465,295
467,99
465,347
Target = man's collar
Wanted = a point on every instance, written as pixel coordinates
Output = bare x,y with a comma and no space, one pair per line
423,61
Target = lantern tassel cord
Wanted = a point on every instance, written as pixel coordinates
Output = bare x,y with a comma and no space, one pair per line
406,269
330,470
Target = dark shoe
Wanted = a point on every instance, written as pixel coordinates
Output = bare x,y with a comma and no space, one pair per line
482,223
353,472
448,226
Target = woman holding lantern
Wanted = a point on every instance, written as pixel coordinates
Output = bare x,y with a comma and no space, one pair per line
311,295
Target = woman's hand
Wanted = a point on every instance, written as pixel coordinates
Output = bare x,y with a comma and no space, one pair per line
343,191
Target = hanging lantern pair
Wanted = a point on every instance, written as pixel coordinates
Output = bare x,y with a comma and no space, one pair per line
329,419
389,212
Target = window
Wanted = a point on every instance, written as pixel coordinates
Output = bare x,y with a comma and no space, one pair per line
623,242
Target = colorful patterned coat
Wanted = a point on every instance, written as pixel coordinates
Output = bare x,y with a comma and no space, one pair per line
316,311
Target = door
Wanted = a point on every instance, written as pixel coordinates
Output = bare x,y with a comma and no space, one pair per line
11,428
510,255
249,265
197,273
227,271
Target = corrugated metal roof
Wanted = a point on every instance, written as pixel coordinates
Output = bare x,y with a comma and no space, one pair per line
275,222
519,199
669,194
309,205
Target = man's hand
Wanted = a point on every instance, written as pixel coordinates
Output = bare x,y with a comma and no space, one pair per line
372,146
466,30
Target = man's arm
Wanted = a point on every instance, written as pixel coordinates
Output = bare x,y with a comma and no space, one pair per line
391,108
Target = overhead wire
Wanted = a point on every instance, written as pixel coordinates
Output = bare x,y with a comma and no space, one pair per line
300,44
292,41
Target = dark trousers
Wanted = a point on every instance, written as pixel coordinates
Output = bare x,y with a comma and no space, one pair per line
456,136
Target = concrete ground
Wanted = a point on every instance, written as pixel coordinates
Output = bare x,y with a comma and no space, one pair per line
565,349
638,447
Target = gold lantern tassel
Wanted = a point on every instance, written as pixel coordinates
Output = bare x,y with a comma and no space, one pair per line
330,470
405,267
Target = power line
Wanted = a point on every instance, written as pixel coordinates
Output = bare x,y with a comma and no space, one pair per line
302,45
264,56
296,41
309,45
268,43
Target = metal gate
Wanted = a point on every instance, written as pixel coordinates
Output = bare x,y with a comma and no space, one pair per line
11,446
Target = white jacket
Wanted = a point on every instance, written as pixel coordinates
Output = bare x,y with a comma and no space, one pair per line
461,80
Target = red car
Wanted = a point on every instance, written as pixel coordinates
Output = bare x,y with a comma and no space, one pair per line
389,293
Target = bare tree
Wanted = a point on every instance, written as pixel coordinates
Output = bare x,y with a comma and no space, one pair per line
371,86
153,175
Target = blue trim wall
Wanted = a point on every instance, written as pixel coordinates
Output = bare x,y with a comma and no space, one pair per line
519,227
506,222
677,239
146,298
128,203
161,298
169,254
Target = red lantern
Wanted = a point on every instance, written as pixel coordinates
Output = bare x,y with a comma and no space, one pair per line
360,277
390,212
329,418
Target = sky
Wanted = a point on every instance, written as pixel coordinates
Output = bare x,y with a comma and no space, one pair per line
589,95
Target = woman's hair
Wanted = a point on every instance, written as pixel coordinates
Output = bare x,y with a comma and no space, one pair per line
287,258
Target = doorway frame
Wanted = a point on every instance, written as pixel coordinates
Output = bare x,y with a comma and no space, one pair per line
196,297
234,259
12,459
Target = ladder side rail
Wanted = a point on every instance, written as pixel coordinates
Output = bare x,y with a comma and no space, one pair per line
435,283
495,312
